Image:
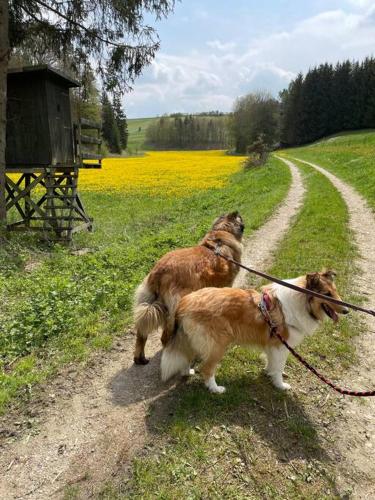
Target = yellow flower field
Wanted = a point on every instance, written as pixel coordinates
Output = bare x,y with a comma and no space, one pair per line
165,172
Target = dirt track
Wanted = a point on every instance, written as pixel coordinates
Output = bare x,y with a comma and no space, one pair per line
94,421
356,432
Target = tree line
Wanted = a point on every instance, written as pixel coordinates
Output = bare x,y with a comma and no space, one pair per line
328,99
204,131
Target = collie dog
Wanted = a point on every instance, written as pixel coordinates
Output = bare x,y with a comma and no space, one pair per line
208,321
182,271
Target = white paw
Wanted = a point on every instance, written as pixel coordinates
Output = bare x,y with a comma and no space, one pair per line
283,386
219,389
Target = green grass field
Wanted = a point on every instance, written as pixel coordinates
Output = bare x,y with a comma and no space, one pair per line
137,133
350,156
253,441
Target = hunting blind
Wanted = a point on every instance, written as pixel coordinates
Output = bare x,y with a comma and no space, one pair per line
44,148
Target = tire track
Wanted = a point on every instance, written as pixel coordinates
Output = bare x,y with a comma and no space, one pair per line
91,432
259,248
356,435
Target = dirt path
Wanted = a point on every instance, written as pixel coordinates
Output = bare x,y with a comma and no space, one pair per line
259,250
94,421
356,433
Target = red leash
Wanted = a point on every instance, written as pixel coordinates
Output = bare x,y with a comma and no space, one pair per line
264,306
345,392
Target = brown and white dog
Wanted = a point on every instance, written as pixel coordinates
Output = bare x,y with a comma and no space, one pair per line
182,271
208,321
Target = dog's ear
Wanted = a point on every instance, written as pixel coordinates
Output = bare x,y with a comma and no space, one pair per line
329,274
233,215
313,281
217,220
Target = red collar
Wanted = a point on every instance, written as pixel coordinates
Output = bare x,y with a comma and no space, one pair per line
265,305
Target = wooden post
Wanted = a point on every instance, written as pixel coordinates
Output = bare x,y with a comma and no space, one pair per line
4,59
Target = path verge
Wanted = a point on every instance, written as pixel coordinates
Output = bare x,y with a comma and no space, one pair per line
356,433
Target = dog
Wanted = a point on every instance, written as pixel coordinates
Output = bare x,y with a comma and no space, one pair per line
208,321
182,271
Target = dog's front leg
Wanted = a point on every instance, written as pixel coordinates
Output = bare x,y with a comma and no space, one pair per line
276,359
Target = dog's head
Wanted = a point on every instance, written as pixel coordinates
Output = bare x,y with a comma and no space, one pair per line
323,283
232,223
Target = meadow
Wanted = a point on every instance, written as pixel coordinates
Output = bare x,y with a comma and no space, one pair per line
137,132
349,155
61,303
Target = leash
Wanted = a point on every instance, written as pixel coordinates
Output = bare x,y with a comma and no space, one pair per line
296,288
264,306
345,392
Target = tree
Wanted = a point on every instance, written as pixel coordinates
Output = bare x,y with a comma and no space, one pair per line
254,114
180,131
290,112
121,121
110,131
4,58
111,32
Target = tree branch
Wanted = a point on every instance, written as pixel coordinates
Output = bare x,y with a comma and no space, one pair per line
87,30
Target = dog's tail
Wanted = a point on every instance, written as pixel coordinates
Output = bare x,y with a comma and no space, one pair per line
149,312
175,357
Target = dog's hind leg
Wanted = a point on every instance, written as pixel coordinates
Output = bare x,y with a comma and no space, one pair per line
139,352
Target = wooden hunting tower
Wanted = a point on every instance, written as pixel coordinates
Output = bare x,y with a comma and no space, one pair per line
45,149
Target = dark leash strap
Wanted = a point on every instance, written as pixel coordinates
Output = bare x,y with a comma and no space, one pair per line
216,250
345,392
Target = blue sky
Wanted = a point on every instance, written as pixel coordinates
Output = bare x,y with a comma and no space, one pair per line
213,51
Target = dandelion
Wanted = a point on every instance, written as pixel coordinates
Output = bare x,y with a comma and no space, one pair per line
173,173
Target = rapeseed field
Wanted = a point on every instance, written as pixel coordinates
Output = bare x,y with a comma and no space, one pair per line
175,173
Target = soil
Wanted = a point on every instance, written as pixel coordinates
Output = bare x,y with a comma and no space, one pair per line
355,433
85,426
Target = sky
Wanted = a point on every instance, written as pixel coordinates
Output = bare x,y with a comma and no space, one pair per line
213,51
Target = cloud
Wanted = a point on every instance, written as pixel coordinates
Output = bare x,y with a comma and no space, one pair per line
216,44
211,76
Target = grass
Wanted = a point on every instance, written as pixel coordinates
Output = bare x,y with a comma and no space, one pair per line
254,441
350,156
137,133
57,306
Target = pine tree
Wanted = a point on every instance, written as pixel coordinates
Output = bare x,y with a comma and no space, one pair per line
110,131
121,121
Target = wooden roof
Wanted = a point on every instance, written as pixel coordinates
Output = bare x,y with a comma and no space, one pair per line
48,72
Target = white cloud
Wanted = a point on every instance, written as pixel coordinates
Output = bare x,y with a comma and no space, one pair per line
212,76
216,44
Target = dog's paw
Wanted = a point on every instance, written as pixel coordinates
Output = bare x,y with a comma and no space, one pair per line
284,386
219,389
141,360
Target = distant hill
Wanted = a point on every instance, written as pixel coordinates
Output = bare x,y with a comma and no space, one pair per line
137,129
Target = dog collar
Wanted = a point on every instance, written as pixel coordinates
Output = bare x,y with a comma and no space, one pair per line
265,305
